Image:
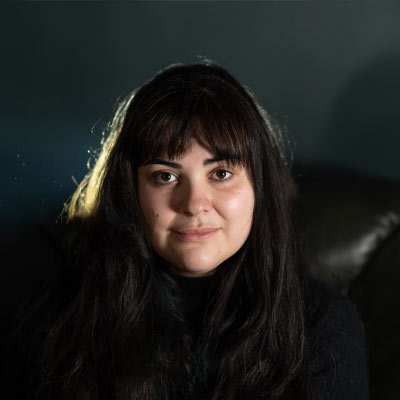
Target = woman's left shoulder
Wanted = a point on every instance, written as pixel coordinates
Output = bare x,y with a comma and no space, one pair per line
323,301
336,343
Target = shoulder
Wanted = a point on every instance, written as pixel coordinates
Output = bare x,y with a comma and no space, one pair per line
326,308
336,344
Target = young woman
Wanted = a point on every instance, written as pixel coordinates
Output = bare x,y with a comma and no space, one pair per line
183,279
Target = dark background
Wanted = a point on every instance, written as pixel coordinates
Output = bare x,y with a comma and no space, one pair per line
330,72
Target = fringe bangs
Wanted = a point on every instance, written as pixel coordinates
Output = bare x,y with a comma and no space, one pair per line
213,119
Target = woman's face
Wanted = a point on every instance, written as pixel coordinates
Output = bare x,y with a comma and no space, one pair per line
197,209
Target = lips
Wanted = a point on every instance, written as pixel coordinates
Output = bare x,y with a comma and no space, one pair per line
195,235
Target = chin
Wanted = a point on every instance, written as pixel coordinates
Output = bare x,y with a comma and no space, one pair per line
196,272
196,269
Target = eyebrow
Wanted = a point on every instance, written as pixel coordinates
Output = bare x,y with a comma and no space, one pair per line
206,162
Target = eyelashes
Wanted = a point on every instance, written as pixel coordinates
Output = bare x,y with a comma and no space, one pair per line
222,175
164,177
219,175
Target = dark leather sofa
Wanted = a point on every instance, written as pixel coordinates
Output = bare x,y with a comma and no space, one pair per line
352,233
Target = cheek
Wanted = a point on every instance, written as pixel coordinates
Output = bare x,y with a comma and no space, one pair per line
237,207
152,207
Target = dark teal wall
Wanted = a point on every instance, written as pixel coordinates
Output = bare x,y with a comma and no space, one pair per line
329,71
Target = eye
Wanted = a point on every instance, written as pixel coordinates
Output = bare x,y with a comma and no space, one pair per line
222,175
164,177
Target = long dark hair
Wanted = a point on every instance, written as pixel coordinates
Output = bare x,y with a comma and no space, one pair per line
112,326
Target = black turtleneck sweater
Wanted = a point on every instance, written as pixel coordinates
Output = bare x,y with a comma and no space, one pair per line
339,363
339,366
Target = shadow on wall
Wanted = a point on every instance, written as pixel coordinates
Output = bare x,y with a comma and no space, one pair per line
364,133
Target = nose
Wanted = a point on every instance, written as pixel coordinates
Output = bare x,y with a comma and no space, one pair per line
194,199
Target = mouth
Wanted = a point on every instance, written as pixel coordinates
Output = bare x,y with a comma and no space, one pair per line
195,235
